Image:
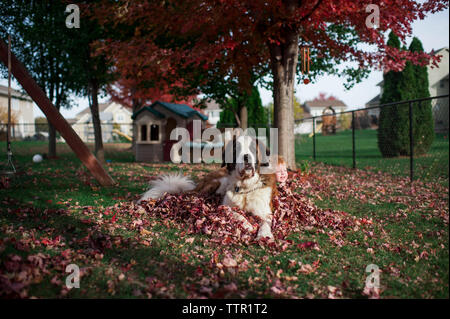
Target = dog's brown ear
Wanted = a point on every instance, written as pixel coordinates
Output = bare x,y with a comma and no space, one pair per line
231,144
223,153
262,153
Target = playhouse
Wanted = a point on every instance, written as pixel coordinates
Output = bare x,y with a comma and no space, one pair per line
329,121
152,127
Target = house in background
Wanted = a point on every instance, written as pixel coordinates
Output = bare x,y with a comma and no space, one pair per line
317,107
113,116
438,85
22,109
153,125
305,126
212,111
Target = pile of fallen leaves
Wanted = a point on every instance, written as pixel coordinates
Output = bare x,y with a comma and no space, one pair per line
205,215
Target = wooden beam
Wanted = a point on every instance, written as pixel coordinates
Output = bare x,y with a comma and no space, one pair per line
54,117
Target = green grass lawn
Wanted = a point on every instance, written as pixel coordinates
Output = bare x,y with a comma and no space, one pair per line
57,200
337,150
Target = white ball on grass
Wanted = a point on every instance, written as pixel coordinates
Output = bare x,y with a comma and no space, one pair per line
37,158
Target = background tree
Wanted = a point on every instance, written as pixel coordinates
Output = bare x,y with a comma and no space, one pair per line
298,110
39,36
423,124
393,129
4,121
41,124
91,73
393,121
266,35
257,114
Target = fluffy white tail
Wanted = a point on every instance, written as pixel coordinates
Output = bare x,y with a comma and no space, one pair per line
174,183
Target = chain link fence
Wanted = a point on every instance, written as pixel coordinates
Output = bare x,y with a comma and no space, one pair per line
357,139
111,132
350,138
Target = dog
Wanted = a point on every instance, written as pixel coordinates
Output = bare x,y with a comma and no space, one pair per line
240,181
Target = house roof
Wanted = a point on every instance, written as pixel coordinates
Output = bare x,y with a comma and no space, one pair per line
434,52
150,109
374,101
14,93
101,108
182,110
306,113
324,103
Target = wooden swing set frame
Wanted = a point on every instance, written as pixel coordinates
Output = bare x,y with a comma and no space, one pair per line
54,117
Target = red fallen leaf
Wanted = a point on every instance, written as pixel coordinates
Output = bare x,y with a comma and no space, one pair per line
46,241
66,253
307,245
229,262
55,280
113,219
49,201
199,271
316,263
372,293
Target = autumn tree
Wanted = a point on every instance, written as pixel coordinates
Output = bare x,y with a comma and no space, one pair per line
238,37
91,71
39,36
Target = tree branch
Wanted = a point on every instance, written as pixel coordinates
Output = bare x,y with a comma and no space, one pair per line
312,11
236,116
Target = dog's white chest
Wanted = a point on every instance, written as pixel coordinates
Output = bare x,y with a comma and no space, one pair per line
256,202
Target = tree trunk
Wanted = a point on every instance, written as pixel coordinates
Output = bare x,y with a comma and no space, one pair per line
136,106
99,151
284,58
243,116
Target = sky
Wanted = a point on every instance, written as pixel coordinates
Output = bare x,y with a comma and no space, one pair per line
433,31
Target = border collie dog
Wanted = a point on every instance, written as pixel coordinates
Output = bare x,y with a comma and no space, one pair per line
240,181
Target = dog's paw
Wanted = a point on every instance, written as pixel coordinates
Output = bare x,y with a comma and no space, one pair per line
264,231
247,226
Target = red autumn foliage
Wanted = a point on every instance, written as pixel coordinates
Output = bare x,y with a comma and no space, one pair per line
169,43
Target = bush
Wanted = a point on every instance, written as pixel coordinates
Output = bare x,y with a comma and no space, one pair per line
393,129
345,121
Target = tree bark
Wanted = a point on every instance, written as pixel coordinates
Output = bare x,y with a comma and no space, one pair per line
99,151
243,117
136,106
284,58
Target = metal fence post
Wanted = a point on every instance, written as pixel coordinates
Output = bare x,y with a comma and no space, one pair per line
411,143
353,139
314,138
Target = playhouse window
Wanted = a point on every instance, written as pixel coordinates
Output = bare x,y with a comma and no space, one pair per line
143,132
154,132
